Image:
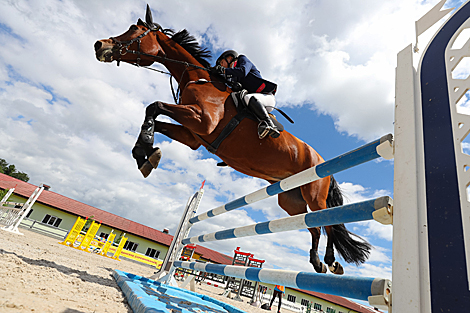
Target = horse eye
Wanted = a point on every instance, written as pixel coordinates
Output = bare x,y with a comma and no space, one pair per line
134,28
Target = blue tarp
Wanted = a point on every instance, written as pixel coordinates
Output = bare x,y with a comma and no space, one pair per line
145,295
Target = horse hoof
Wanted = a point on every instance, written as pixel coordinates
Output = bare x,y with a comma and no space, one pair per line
154,159
323,269
336,268
146,169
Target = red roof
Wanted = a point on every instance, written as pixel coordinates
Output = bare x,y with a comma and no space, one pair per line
63,203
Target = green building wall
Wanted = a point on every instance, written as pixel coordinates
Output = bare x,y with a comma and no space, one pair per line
40,211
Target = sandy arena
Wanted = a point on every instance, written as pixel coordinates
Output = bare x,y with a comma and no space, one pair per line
37,274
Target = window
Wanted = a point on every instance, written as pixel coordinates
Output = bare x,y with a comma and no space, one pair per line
131,246
330,310
291,298
304,302
317,306
152,253
29,213
52,220
104,236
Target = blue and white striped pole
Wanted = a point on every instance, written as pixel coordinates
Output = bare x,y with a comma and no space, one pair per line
382,147
360,288
355,212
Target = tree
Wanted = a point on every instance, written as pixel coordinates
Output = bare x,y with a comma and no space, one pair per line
3,193
10,170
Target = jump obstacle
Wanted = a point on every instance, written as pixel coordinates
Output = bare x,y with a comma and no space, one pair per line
84,245
431,213
374,290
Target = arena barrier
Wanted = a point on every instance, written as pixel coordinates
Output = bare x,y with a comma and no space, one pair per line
374,290
13,213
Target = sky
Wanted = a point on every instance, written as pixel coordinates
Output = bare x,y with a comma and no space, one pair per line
70,121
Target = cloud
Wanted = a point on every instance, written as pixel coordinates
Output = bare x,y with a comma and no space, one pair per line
70,121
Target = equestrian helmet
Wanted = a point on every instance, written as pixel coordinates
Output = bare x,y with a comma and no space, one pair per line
226,54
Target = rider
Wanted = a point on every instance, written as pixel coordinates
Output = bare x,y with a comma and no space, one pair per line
240,72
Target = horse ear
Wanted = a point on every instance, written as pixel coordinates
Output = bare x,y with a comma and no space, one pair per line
148,16
141,23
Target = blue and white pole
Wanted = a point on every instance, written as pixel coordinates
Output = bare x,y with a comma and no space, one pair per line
378,208
382,147
361,288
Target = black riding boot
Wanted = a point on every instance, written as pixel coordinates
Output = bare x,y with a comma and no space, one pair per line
266,126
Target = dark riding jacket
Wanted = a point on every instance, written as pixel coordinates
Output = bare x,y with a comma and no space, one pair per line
246,73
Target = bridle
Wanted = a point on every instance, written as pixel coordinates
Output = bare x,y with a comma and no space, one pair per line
123,48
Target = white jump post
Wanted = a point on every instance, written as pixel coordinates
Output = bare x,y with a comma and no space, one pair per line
166,271
431,235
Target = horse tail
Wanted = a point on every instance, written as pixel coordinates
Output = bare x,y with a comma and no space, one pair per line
345,242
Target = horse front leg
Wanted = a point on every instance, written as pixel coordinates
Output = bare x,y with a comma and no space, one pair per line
172,131
191,116
314,259
178,133
329,259
146,156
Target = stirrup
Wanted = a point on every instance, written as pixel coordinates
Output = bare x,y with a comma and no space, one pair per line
265,129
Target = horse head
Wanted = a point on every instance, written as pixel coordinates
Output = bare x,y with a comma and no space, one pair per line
136,45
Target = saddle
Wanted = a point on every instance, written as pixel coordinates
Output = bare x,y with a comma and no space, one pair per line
242,112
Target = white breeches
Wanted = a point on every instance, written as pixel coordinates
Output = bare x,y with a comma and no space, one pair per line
268,100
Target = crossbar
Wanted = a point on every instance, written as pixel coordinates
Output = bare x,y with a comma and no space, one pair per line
360,288
355,212
382,147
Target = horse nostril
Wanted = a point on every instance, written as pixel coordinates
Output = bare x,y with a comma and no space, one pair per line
98,45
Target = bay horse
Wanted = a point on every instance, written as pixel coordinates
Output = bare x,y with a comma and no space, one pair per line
205,107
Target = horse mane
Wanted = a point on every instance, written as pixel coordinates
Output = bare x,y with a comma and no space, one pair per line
185,40
190,44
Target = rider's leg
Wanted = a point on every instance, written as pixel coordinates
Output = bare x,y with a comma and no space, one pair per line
266,126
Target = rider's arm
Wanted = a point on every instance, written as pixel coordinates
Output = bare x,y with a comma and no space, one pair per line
241,70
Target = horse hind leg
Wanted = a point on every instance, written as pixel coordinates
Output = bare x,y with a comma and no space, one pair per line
314,258
293,203
335,267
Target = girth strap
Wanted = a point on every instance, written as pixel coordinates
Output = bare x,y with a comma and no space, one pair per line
212,147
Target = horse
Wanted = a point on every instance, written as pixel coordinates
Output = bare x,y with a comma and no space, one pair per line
205,107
